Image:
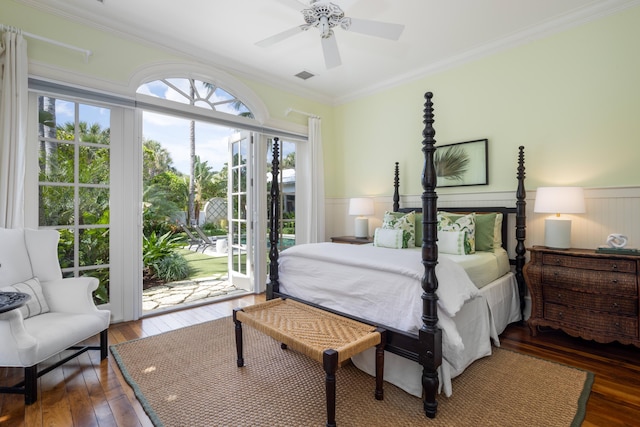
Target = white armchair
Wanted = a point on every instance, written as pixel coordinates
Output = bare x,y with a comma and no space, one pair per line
59,315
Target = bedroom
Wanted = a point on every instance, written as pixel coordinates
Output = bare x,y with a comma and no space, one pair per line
570,98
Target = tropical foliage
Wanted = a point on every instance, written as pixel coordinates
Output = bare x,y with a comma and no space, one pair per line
451,163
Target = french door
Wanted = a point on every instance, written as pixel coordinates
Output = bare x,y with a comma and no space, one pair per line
247,207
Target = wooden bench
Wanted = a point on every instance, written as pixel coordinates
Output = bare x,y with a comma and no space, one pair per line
326,337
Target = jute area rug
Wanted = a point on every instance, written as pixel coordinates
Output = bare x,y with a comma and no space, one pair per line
189,377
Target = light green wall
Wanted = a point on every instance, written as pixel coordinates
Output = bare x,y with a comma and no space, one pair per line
115,59
572,99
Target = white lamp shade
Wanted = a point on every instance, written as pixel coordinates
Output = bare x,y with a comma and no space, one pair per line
361,206
559,200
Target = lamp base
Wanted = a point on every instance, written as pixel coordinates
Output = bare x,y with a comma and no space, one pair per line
362,228
557,233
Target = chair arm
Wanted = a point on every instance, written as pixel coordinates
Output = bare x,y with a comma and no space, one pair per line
14,338
71,295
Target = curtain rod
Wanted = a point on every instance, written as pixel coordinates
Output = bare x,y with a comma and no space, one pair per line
87,53
293,110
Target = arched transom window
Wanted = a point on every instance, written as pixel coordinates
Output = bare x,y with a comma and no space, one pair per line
196,92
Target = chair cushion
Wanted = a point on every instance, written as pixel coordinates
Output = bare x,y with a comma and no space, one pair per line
37,304
15,265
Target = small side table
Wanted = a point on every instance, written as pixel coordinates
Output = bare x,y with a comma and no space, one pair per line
12,300
352,240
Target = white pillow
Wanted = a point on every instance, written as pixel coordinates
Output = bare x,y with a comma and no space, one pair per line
37,304
388,238
451,242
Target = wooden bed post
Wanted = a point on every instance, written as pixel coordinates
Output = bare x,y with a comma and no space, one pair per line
273,287
430,335
396,184
521,225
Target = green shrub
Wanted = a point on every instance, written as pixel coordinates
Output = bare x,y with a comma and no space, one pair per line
172,267
155,248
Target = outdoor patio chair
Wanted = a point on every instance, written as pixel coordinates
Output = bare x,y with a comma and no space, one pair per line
193,240
207,241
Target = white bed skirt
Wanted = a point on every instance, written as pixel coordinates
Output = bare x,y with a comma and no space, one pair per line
479,323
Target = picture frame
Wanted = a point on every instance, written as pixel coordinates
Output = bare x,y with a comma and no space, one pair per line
462,164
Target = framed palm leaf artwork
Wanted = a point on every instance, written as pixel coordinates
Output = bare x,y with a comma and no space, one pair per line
463,163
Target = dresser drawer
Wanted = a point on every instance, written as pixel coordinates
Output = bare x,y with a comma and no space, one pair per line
589,263
590,280
597,322
594,302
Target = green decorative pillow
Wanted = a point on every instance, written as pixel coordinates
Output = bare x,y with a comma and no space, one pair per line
466,223
37,304
406,223
486,224
418,229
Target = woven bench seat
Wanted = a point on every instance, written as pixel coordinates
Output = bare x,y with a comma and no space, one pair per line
323,336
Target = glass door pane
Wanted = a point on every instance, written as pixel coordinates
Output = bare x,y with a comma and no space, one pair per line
240,208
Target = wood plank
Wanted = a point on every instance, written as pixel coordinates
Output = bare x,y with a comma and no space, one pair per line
68,395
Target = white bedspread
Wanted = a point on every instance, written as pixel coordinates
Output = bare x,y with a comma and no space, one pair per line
362,279
384,286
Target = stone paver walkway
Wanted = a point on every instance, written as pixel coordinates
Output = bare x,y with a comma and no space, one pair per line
187,292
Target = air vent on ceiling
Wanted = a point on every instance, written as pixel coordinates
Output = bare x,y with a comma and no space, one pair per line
304,75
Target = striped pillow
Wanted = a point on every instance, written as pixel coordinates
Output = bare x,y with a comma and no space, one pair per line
37,304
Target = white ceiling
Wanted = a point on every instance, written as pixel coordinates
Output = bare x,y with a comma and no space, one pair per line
438,34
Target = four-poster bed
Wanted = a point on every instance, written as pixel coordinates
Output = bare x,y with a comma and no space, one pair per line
383,291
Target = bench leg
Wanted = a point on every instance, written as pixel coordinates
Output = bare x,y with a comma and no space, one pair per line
330,363
238,329
380,365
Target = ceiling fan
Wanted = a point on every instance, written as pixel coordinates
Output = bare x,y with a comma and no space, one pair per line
325,16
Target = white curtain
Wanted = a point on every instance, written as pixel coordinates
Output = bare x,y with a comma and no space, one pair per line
13,128
315,197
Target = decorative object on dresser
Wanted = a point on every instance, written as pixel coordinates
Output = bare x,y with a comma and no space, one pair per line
558,200
353,240
361,207
586,294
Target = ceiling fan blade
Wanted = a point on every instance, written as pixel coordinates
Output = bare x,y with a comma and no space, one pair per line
280,36
331,52
385,30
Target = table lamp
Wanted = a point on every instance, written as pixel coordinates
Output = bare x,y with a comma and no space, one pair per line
361,206
558,200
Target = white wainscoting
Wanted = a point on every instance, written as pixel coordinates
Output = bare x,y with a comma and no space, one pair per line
609,210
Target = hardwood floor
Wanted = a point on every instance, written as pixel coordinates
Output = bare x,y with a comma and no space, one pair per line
84,394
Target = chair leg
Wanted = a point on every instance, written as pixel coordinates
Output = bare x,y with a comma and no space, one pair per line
104,344
30,384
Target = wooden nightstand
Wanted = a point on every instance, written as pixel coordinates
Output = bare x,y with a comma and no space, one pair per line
584,293
352,240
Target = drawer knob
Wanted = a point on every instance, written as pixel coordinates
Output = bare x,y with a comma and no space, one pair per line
557,261
559,296
561,315
614,305
614,281
614,266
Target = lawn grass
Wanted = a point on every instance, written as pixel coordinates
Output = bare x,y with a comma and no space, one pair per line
202,265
